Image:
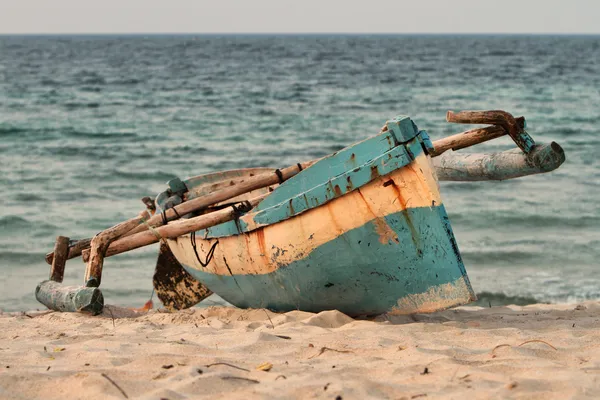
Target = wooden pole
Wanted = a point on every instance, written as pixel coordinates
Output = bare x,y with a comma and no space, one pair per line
99,244
173,230
470,138
499,166
198,203
61,251
495,117
74,250
218,196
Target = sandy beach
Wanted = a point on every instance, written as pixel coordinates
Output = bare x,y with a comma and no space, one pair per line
532,352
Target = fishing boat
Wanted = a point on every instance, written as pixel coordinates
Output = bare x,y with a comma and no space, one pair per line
363,230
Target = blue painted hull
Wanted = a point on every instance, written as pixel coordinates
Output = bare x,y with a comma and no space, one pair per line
357,274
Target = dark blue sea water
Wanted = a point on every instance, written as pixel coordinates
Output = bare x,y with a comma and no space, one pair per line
89,125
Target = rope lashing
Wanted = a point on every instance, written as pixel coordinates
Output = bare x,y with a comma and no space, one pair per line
210,253
154,231
279,175
168,206
242,208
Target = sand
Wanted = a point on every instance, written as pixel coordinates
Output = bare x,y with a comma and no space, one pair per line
533,352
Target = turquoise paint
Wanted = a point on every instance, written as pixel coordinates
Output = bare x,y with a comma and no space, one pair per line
403,128
329,178
426,141
338,163
294,200
355,273
527,141
332,188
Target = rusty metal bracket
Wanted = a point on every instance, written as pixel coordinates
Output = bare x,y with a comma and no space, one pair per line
495,117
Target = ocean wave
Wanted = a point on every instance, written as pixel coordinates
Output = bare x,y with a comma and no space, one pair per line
6,131
12,258
79,134
504,257
488,299
73,106
517,220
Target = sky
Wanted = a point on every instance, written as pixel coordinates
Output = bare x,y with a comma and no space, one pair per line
299,16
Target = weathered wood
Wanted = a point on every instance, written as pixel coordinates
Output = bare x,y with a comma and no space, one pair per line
174,286
495,117
470,138
74,250
177,228
499,166
61,251
455,142
70,298
100,243
198,203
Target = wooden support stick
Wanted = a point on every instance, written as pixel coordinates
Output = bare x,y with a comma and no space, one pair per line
173,230
99,244
499,166
198,203
495,117
455,142
61,251
470,138
74,250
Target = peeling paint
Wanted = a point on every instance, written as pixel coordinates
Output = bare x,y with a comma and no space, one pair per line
437,298
385,232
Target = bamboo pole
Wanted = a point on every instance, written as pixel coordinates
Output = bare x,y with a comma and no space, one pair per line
198,203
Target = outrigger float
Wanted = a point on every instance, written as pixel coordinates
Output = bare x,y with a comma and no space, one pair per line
363,230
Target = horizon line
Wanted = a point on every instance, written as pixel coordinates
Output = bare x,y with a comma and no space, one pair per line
302,34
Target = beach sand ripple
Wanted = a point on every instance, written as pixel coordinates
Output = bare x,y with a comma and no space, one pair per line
533,352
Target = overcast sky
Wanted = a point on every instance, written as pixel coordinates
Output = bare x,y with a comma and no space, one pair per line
297,16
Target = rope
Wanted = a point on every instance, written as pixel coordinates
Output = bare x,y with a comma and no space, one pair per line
279,175
238,210
154,231
210,253
164,213
299,167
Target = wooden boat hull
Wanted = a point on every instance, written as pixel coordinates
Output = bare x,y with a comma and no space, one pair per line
386,246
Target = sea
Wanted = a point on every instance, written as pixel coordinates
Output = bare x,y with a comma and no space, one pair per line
91,124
